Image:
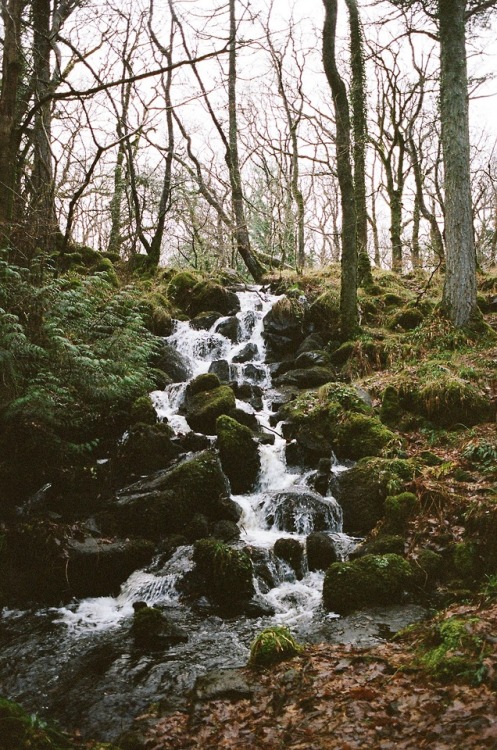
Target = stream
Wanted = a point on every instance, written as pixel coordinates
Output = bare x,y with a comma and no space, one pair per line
78,664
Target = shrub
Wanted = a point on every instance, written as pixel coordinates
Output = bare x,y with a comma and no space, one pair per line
273,645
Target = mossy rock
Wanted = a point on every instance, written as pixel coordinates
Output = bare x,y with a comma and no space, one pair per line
368,581
323,315
446,400
380,545
145,449
203,409
207,296
399,509
308,377
427,567
180,288
362,490
222,573
467,561
391,411
453,650
239,454
360,435
406,319
360,356
283,328
202,383
142,410
152,630
157,315
272,646
22,731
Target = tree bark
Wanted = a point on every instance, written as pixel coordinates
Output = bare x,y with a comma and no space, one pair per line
12,62
459,295
348,287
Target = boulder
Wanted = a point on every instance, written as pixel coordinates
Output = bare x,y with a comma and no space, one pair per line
144,449
226,531
180,288
309,377
247,353
249,392
362,490
283,332
221,573
222,684
302,511
312,358
166,502
207,296
97,567
204,321
152,630
369,581
203,409
290,550
313,342
320,550
170,361
239,454
221,368
230,328
202,383
360,435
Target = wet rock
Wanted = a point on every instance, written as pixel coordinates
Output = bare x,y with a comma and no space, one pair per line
204,321
193,442
320,480
313,342
166,502
257,607
198,528
290,550
264,567
152,630
226,531
230,328
248,352
320,549
221,368
369,581
227,684
144,449
238,453
202,383
97,567
207,296
221,573
250,393
301,510
203,409
170,361
255,373
283,331
312,359
245,418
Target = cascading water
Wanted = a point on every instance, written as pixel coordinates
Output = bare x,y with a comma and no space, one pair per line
62,649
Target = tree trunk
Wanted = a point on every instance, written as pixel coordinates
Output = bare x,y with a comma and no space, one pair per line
253,265
348,287
12,63
459,295
358,92
416,220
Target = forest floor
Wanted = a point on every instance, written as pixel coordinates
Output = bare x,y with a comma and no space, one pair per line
346,698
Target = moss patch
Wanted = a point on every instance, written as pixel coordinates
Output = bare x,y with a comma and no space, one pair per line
273,646
239,454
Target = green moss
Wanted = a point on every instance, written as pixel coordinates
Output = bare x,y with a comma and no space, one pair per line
207,296
142,410
427,567
272,646
324,314
180,288
22,731
457,652
384,544
226,572
391,411
360,435
204,408
239,454
406,319
467,561
399,509
365,582
205,382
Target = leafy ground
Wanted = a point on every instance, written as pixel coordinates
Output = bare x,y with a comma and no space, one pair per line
346,698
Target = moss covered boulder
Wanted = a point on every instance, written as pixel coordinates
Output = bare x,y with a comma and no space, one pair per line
360,435
323,315
369,581
272,646
222,573
145,449
321,551
283,329
202,383
203,409
399,509
208,296
180,288
239,454
362,490
308,377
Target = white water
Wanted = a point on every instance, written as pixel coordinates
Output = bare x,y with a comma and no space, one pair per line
292,600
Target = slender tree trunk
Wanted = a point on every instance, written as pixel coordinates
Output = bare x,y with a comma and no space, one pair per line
459,295
12,62
253,265
396,229
348,287
416,219
358,95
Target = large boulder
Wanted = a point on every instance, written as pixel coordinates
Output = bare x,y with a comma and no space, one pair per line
307,377
369,581
283,331
170,361
144,449
320,549
239,454
290,550
222,573
230,328
166,502
362,490
203,409
301,510
207,296
247,353
153,630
